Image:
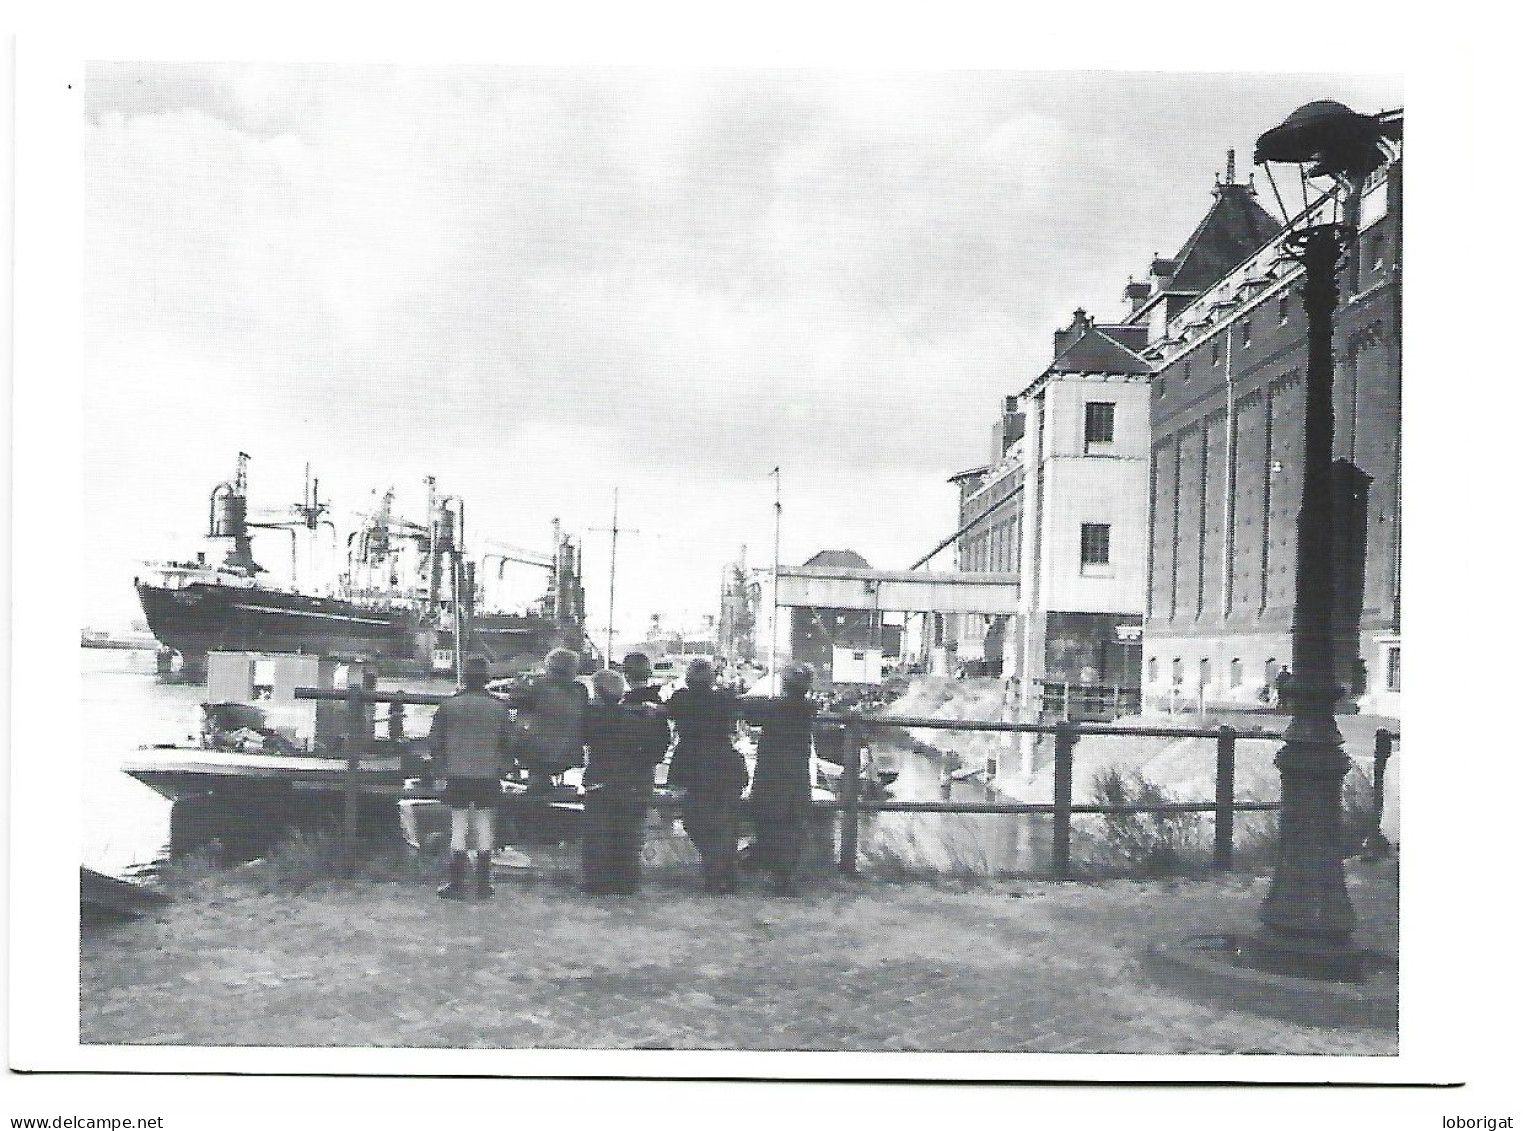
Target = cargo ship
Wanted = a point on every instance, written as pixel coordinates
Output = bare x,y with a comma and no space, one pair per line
407,597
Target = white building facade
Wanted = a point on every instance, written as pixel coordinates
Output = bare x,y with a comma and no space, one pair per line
1067,504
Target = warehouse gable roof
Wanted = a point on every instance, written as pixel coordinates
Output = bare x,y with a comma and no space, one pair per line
1233,229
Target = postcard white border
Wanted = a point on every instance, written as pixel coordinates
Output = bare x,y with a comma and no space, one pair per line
47,484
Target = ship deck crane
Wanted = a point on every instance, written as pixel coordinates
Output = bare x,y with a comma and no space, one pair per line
503,554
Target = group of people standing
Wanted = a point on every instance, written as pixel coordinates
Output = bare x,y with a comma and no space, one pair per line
620,733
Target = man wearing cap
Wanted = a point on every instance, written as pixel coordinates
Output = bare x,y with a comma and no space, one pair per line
471,739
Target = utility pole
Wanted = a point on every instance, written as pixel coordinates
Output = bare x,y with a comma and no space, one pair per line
460,626
613,563
777,559
557,599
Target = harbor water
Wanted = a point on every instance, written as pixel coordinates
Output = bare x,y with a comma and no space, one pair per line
957,843
124,705
126,825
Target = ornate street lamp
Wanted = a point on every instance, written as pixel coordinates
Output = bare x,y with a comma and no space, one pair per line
1307,921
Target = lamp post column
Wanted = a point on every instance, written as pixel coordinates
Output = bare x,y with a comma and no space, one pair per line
1307,920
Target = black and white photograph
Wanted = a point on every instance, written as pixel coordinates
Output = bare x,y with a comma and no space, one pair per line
591,558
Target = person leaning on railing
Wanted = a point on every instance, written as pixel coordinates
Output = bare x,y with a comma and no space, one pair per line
656,739
780,787
709,771
552,712
552,709
622,739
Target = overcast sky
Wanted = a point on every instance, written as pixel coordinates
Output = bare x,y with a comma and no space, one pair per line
538,285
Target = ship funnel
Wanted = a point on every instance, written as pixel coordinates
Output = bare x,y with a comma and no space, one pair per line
230,519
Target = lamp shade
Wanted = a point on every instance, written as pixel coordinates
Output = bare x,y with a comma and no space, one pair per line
1327,135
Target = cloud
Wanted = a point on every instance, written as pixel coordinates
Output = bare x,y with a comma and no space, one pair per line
261,102
610,275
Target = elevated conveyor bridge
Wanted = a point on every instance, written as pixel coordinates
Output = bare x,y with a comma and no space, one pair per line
880,590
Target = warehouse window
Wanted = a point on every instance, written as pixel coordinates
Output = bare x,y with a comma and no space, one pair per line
1094,546
1216,351
1152,669
1178,672
1099,423
1247,332
1393,668
1205,673
1284,309
1235,673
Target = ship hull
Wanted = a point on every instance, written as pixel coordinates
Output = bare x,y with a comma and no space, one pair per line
197,619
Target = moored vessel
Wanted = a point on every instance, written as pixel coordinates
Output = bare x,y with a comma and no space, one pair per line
407,597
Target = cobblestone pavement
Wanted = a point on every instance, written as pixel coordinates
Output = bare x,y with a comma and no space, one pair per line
875,966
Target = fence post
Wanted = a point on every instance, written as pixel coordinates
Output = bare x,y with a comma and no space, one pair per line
851,772
1064,740
1375,845
1226,769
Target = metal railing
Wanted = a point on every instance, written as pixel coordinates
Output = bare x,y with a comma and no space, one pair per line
852,805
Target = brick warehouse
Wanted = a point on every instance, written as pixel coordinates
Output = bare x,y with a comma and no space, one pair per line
1071,459
1218,336
1227,406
